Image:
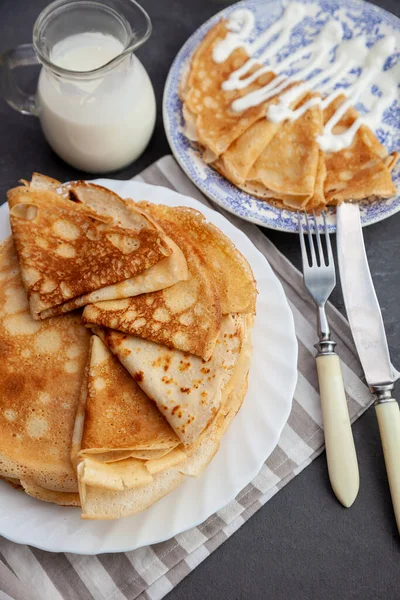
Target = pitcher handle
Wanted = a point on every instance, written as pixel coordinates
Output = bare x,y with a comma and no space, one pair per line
21,56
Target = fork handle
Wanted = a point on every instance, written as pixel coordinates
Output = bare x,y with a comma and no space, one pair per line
340,450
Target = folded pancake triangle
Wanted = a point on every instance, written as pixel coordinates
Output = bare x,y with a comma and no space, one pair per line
120,438
186,389
115,418
188,315
71,244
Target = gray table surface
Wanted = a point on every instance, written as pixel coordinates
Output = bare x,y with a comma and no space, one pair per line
302,544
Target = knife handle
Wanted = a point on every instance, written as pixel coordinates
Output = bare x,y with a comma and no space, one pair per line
388,415
340,450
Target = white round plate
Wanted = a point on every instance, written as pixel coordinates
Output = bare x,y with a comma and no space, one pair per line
357,17
251,438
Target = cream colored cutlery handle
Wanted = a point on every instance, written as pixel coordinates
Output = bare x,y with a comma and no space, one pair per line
389,427
340,450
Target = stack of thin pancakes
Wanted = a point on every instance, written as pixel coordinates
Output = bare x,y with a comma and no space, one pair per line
279,162
110,408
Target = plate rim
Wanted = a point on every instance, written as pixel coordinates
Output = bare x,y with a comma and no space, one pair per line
291,366
178,63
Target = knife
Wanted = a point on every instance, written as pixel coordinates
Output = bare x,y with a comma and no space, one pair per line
369,336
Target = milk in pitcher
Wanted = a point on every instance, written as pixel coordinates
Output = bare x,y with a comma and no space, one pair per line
102,122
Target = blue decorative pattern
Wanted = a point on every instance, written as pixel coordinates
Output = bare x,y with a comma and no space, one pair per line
357,17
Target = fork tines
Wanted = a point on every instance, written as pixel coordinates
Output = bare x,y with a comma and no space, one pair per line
318,267
322,259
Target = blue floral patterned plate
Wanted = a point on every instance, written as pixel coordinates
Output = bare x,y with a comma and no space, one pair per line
357,17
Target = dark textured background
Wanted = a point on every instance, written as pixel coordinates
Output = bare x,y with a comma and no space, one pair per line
302,544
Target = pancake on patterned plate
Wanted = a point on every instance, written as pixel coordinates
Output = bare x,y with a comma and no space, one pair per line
273,122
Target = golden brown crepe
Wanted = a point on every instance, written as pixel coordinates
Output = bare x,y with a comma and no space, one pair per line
239,158
288,165
101,503
67,249
217,126
166,272
41,493
186,389
115,418
41,369
232,273
318,200
360,171
281,163
186,316
120,438
207,444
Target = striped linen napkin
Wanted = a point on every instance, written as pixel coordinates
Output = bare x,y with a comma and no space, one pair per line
150,573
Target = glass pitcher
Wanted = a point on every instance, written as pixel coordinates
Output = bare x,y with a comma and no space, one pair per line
94,99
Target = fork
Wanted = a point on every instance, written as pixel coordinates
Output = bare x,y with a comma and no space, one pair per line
320,280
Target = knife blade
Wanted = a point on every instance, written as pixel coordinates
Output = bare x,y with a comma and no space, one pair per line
369,335
362,305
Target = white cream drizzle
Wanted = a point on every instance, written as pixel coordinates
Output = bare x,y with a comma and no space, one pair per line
372,71
241,24
330,35
349,54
